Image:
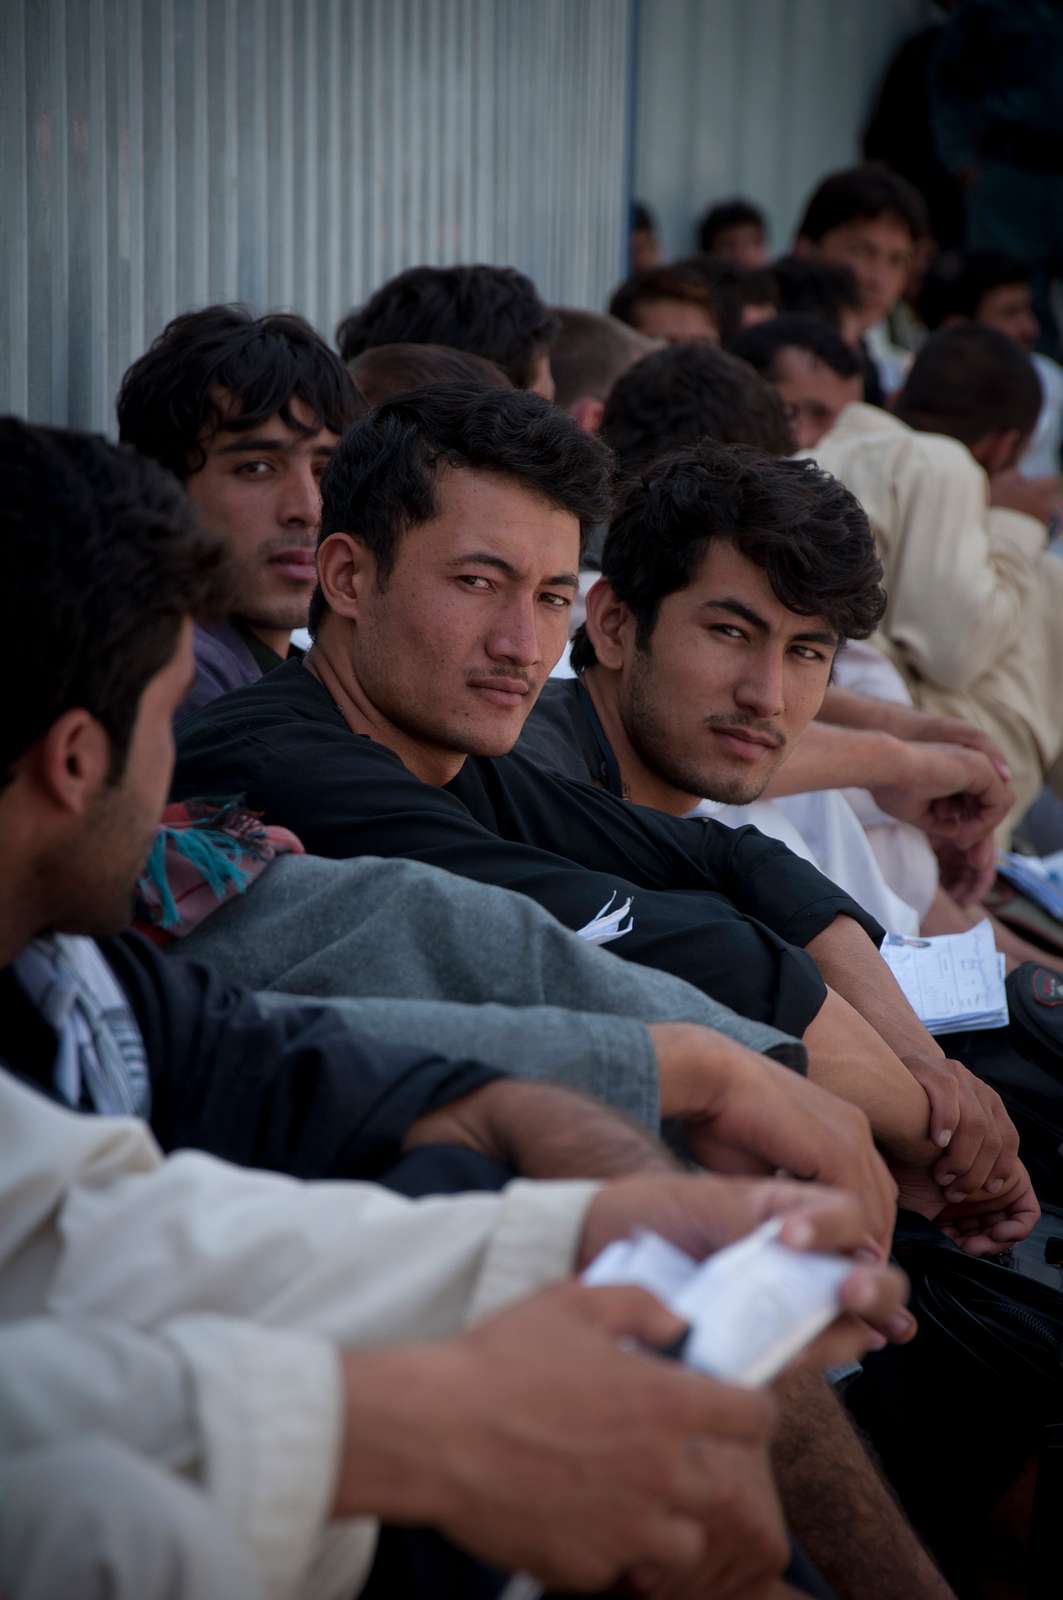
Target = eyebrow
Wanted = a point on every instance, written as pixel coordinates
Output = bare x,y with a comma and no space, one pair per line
262,444
737,608
483,558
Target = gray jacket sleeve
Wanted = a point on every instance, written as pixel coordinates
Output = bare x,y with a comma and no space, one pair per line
610,1058
400,929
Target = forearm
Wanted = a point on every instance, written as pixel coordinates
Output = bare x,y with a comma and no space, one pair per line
844,708
838,1507
827,757
849,963
542,1131
847,1057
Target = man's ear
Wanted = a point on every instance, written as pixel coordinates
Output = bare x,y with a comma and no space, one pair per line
588,412
345,568
998,452
71,763
608,625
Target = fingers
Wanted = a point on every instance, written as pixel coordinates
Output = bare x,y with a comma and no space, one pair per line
625,1312
943,1092
813,1218
986,1138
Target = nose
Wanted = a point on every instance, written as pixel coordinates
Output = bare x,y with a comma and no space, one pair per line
515,636
760,688
299,500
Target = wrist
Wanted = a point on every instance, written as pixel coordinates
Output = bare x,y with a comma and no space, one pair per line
401,1413
690,1070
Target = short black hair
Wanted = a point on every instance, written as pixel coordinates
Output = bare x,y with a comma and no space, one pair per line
863,194
591,352
820,288
734,213
969,382
103,559
382,478
761,344
731,288
956,285
168,404
689,392
642,218
677,281
386,370
796,522
493,312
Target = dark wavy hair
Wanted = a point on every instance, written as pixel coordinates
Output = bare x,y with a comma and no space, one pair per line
796,522
494,312
688,392
103,559
969,381
863,194
676,281
761,344
168,404
382,478
734,213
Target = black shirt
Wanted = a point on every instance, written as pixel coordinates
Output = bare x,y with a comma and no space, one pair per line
293,1090
735,905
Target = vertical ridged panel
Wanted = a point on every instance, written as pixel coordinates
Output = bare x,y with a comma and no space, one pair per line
757,97
162,154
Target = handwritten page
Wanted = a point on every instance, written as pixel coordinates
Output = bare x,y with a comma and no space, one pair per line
953,982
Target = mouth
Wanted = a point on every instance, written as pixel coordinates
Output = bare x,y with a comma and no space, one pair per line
744,743
297,565
507,692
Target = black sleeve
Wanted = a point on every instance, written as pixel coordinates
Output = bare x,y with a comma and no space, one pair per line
569,848
294,1090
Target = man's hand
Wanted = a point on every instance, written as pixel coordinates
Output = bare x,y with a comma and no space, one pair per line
701,1214
1037,497
970,1124
983,1224
745,1113
543,1131
954,793
541,1440
926,727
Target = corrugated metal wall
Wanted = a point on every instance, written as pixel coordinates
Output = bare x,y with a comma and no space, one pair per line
161,154
757,97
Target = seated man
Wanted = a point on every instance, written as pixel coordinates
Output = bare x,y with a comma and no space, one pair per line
735,230
972,621
997,292
590,353
810,366
869,219
494,312
673,303
680,396
245,412
437,622
222,1298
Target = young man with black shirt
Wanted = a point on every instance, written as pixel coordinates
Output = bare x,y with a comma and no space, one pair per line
245,411
444,591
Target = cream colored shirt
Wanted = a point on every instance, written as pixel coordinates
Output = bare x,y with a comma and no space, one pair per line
974,620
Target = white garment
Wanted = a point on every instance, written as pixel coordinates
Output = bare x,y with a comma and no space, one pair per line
1041,457
902,851
822,828
197,1309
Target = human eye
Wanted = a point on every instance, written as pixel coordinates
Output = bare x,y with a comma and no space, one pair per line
474,581
556,602
254,469
807,652
727,630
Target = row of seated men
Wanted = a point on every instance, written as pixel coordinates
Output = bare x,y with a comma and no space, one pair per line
295,1229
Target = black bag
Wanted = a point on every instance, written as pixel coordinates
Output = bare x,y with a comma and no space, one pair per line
957,1415
1024,1064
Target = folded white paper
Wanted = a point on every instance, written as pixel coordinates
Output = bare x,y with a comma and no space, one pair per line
605,927
953,982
